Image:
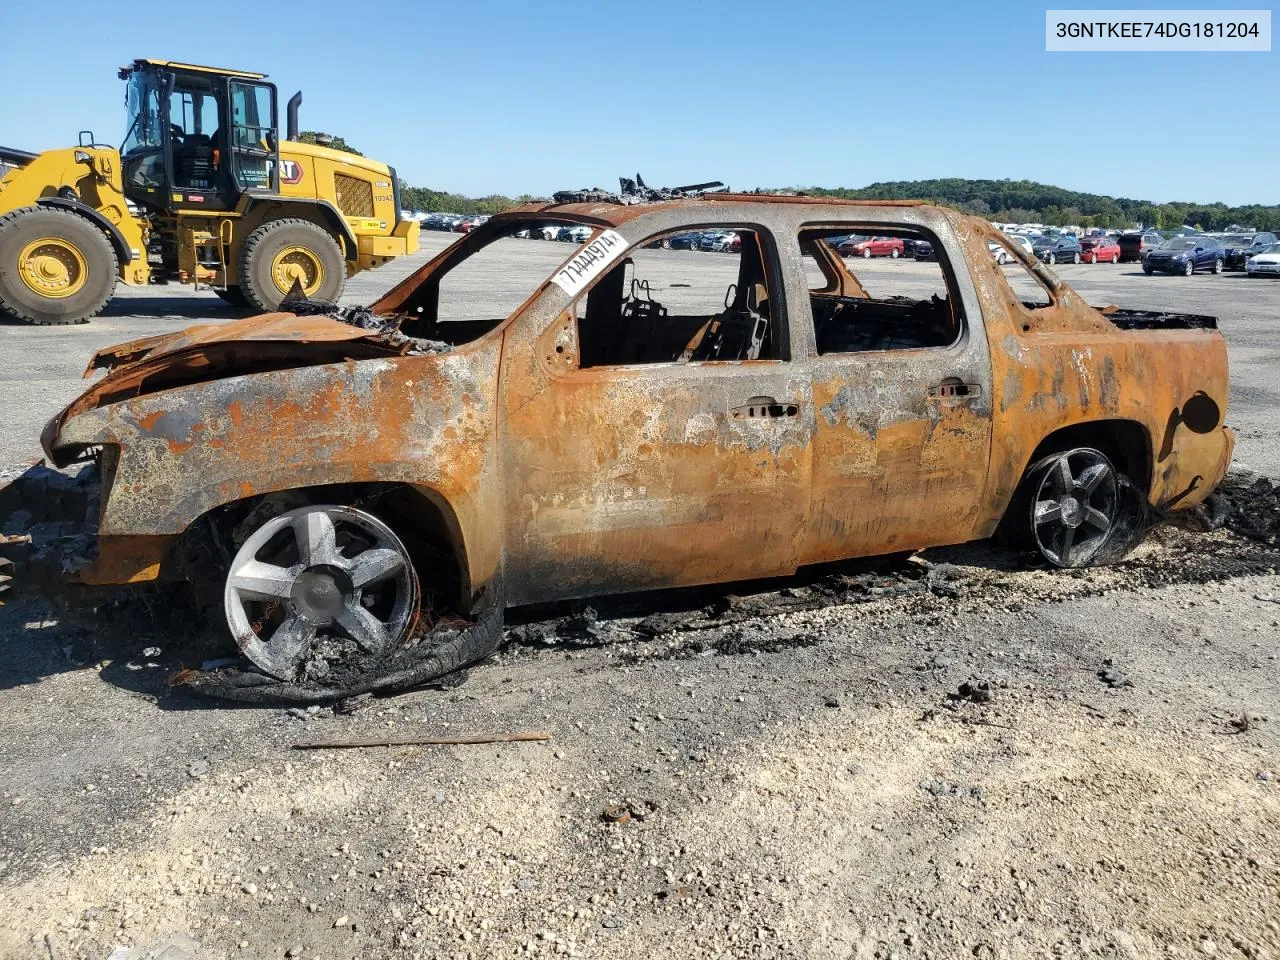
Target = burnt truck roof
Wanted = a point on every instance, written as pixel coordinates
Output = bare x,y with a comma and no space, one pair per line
614,214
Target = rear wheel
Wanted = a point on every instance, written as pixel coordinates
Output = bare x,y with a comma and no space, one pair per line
1067,506
1217,265
866,253
1147,270
282,253
1115,258
1075,258
1051,259
55,266
666,243
894,253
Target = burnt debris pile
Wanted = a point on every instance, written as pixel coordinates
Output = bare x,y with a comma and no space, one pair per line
1251,506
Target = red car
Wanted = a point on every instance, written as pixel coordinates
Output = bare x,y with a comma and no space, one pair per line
875,247
1099,250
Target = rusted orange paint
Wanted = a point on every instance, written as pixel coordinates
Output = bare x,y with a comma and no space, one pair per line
564,482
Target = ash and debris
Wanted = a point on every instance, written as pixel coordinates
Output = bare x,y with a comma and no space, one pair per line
637,191
930,587
385,329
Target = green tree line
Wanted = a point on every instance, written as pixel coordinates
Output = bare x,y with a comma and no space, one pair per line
1024,201
1019,201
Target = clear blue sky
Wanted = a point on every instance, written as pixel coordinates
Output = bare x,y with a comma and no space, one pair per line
501,96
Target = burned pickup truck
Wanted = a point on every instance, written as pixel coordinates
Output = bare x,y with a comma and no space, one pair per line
364,491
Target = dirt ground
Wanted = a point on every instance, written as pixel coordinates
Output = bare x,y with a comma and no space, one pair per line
951,756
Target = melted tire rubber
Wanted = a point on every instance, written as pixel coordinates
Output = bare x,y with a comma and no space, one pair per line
442,651
1134,519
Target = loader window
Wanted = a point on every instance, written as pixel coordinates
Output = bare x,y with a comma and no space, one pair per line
253,134
193,130
141,150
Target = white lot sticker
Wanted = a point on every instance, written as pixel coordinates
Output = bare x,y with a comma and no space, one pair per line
589,262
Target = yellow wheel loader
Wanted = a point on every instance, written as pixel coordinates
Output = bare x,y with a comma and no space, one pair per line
201,191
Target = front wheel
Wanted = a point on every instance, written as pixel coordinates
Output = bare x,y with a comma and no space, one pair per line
282,254
894,253
1051,260
866,254
1115,258
55,266
1190,268
666,244
1068,506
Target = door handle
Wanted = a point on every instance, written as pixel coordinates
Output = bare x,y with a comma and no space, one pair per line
953,388
758,408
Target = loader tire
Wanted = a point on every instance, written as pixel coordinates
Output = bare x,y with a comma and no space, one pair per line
284,251
55,266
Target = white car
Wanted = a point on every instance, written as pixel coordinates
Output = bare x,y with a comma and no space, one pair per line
1266,263
1018,240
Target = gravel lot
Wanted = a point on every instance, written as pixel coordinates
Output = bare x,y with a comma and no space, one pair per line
800,771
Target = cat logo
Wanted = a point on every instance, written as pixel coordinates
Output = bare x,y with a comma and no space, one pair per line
290,171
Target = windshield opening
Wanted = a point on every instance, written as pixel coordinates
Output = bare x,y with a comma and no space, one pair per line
1179,243
474,289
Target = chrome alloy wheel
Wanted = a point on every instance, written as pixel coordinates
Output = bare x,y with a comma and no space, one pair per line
315,573
1075,506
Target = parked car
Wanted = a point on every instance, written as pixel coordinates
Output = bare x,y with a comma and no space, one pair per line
1064,248
924,250
1237,249
366,500
1184,255
721,241
1134,246
1265,263
1023,244
998,251
682,241
1099,249
873,247
577,233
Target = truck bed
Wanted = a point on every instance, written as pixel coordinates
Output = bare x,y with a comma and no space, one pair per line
1158,320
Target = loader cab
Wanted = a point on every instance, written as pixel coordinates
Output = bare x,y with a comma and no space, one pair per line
198,138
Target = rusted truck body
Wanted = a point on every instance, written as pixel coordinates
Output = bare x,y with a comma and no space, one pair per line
596,440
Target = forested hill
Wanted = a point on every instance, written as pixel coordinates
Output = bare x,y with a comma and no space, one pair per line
1018,201
1023,201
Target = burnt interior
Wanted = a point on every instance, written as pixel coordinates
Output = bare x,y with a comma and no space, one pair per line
625,323
849,319
1159,320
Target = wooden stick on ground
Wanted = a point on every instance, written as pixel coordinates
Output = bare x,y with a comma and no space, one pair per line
518,737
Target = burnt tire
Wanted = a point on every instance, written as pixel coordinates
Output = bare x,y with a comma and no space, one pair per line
63,252
1075,509
290,246
233,296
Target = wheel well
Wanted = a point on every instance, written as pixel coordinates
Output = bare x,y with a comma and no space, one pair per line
420,517
319,212
1125,442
